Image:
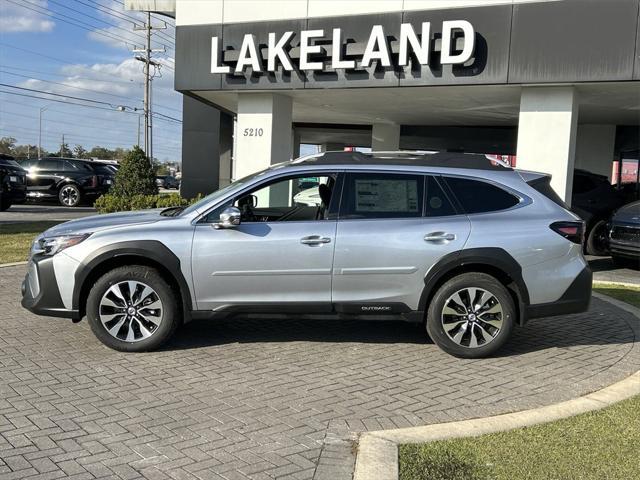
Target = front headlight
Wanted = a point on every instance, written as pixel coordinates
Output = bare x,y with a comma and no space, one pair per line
52,245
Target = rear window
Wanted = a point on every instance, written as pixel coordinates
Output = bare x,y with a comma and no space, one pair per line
377,195
543,186
476,196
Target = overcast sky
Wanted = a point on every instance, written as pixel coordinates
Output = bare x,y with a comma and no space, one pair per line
82,48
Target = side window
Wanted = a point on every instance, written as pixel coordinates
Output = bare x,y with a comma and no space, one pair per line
478,197
300,198
438,204
50,165
382,195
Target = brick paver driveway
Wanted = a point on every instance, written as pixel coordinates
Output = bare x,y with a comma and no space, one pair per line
264,399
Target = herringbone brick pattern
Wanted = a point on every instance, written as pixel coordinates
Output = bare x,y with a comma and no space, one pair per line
266,399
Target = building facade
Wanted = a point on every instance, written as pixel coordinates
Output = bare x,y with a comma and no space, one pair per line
554,82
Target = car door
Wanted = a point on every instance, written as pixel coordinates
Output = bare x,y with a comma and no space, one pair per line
44,175
279,257
392,228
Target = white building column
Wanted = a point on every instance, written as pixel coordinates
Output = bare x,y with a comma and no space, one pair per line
547,134
595,147
385,137
263,132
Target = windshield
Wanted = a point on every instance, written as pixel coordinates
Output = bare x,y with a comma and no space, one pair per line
220,193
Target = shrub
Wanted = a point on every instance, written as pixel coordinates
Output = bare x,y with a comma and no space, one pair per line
111,203
135,175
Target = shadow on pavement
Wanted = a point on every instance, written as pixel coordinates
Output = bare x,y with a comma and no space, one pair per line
539,334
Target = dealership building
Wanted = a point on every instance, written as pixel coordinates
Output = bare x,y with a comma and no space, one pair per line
554,82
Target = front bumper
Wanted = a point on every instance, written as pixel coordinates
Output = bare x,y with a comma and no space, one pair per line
624,240
40,292
575,299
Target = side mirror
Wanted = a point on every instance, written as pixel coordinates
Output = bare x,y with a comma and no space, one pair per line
229,218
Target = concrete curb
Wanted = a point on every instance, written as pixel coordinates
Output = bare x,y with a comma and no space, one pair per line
619,284
15,264
377,456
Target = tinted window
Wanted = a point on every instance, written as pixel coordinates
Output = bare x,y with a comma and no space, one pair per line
478,197
81,166
438,204
50,164
382,195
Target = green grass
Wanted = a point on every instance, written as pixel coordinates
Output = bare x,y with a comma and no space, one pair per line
631,295
16,238
596,445
604,444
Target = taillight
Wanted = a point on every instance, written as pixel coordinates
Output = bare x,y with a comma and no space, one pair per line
94,181
572,231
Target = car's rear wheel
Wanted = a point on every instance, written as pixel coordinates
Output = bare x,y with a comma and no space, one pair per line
133,309
471,315
69,196
4,206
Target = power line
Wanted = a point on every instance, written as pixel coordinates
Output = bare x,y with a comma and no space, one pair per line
81,88
72,76
67,85
119,15
81,104
57,15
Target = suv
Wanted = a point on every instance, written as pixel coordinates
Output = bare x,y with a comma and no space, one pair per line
68,180
13,182
594,199
465,246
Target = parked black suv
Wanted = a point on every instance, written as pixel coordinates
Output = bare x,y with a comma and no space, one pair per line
67,179
13,184
594,199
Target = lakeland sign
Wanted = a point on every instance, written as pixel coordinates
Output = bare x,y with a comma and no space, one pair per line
320,50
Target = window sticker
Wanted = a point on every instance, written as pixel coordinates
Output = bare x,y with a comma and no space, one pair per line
386,195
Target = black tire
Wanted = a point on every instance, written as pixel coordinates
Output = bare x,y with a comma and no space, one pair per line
498,336
4,206
69,195
597,240
170,318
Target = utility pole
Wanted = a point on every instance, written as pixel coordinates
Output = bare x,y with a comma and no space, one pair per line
62,146
148,63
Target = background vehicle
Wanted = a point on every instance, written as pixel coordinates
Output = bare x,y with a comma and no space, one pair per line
13,183
624,235
68,180
594,199
167,181
465,246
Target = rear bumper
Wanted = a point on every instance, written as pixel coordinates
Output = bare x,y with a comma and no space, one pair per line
40,293
13,194
575,299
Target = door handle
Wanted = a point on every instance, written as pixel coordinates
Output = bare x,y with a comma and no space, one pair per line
439,237
314,240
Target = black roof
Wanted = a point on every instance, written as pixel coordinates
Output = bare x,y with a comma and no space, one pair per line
441,159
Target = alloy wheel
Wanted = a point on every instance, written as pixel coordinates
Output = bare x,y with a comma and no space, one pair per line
472,317
69,196
131,311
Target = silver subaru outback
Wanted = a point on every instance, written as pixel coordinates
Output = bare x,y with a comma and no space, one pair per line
461,244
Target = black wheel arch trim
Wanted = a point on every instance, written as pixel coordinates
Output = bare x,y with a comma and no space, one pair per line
152,250
492,257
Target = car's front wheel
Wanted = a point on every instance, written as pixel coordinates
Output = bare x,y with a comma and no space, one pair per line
69,196
471,315
133,309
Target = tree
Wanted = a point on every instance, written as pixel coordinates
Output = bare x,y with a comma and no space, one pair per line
7,145
80,152
101,153
135,175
